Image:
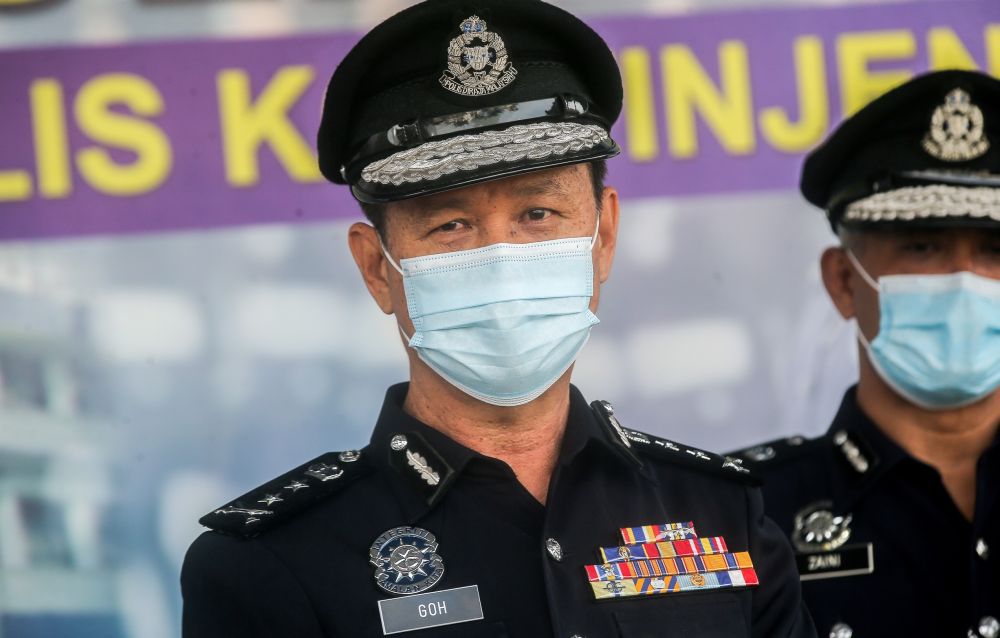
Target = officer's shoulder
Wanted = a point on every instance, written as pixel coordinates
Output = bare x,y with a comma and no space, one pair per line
289,495
782,453
659,449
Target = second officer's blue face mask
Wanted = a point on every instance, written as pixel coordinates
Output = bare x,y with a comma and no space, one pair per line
504,322
938,342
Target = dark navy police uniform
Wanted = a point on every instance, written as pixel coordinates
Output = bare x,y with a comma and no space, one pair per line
911,565
882,548
303,569
417,534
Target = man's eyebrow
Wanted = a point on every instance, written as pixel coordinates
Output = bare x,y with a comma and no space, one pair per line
537,187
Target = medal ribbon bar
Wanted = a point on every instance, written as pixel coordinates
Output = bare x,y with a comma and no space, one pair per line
664,549
654,533
672,584
669,566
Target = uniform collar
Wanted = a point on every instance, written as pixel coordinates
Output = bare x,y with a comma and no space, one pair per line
862,451
423,463
865,453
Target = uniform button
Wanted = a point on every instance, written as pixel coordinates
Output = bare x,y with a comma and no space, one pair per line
554,549
989,627
841,630
398,443
982,549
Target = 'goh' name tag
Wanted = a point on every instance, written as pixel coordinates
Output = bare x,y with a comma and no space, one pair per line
432,609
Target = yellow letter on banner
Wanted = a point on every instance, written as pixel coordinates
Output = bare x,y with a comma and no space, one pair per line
640,114
15,186
946,51
993,49
859,86
688,87
246,125
814,110
48,116
145,139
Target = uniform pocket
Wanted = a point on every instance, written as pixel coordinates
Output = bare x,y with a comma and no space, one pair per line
684,616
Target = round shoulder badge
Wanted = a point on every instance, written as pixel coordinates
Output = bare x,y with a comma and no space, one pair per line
405,562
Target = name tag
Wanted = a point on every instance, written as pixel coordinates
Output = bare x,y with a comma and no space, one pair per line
849,560
432,609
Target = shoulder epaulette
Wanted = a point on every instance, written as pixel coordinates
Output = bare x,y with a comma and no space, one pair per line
776,452
280,499
677,453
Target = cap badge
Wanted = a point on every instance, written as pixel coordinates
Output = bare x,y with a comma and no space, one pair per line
405,562
477,61
956,133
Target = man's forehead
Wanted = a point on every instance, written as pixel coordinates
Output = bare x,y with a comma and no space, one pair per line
894,233
562,182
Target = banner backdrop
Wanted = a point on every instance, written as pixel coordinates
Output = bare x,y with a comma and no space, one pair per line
189,135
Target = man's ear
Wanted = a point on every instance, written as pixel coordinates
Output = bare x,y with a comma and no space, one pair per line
837,274
607,233
366,248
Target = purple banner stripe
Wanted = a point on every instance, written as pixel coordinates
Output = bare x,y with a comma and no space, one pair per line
195,135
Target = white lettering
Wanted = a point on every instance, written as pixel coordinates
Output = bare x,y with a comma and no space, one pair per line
824,561
439,608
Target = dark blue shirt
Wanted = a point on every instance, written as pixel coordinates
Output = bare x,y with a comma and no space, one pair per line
308,575
935,573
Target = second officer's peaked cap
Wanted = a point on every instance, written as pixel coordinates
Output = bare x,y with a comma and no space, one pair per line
449,93
926,153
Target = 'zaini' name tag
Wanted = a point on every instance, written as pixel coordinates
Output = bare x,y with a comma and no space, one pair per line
849,560
432,609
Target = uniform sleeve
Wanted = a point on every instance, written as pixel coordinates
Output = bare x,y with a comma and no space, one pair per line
778,609
237,588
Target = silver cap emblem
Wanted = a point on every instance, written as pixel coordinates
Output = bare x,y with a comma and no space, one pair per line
957,130
477,61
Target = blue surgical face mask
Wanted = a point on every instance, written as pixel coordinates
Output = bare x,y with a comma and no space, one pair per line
504,322
938,342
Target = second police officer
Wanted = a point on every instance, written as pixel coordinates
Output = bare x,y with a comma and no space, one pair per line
895,511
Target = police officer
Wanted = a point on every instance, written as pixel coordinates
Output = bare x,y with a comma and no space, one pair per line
492,499
895,511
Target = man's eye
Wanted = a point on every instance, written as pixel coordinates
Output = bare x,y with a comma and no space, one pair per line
920,247
451,226
538,214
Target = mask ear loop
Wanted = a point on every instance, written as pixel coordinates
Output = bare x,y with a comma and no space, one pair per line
392,262
871,282
597,230
388,257
861,271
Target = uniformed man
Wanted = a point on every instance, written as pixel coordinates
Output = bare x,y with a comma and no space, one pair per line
492,499
895,511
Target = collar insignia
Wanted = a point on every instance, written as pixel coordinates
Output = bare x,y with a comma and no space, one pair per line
477,61
405,562
956,133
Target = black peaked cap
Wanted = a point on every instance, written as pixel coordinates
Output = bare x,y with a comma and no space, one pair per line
388,95
901,140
